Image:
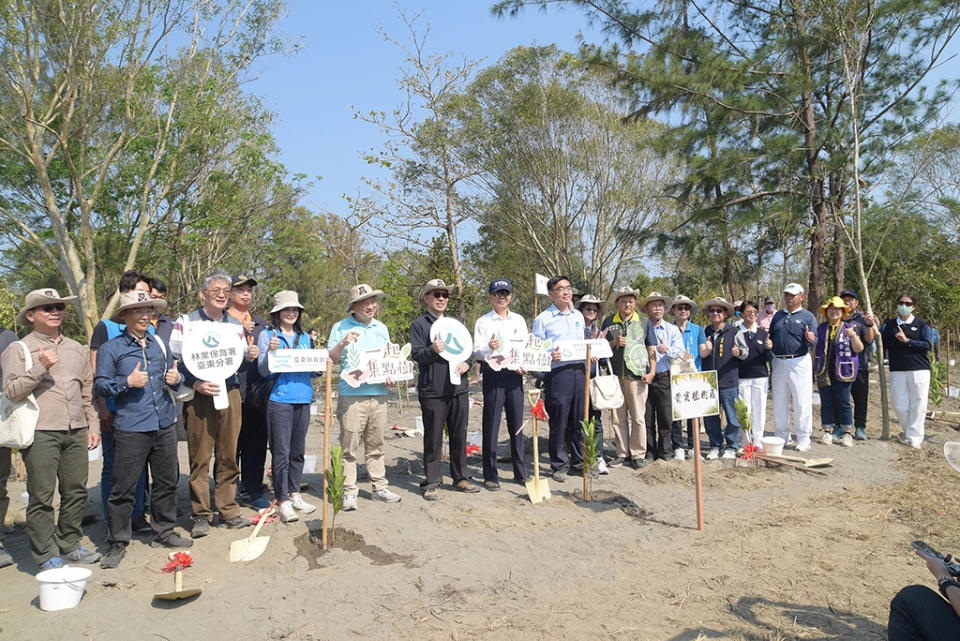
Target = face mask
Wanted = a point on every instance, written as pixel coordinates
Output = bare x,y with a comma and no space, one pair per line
770,308
904,310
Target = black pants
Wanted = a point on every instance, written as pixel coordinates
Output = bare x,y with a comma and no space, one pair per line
859,392
437,412
918,613
158,449
597,416
564,404
659,412
502,391
252,451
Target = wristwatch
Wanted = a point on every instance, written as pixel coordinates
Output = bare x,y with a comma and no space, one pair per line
945,582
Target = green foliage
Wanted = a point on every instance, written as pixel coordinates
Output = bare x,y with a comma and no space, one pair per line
743,415
335,480
938,380
591,445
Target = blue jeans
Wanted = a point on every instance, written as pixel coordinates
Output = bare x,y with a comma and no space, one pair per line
106,480
712,423
835,409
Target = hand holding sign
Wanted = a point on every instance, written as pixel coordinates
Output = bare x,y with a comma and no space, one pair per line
456,344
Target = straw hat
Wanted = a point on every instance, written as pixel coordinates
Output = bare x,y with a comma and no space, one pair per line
137,298
284,299
362,292
719,301
652,296
39,297
683,300
590,298
837,302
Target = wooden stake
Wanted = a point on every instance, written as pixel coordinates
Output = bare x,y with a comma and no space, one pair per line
947,359
327,401
697,472
586,418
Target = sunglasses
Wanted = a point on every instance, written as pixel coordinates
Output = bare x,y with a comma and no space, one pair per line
683,308
51,307
501,293
714,310
440,295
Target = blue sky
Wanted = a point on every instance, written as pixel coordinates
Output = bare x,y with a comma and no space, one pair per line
345,63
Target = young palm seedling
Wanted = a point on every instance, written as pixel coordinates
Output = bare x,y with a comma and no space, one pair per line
335,481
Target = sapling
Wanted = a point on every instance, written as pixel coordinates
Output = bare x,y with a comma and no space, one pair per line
743,415
589,454
335,481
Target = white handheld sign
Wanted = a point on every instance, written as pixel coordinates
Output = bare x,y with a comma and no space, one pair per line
576,350
457,343
297,360
213,352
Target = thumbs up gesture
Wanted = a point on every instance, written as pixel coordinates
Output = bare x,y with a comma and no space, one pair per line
735,351
769,343
810,336
901,336
49,358
138,377
172,377
849,331
709,346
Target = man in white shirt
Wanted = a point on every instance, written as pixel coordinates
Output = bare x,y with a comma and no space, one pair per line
502,388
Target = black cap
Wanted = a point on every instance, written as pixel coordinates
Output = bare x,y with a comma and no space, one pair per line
849,292
242,279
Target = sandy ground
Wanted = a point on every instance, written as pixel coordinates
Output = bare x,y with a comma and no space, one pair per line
785,555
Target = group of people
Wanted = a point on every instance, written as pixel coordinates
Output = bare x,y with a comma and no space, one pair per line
131,391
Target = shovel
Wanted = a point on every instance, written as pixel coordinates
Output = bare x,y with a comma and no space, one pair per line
807,462
178,591
253,546
537,489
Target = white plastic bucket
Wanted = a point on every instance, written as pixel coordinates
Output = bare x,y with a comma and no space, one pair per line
309,463
772,445
62,588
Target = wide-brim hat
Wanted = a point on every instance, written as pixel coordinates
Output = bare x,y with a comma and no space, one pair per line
680,299
652,296
39,297
837,302
591,299
719,301
363,292
434,284
137,298
285,299
620,292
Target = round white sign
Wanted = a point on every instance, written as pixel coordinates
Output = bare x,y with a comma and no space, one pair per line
213,352
457,343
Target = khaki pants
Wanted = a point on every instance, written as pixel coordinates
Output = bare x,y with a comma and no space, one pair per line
362,420
629,420
212,431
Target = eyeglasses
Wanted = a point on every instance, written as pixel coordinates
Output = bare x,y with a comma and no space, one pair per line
714,310
141,311
683,308
501,293
564,289
51,307
590,309
440,294
218,290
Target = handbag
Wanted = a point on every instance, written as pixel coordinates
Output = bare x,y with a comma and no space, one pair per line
258,392
18,419
605,392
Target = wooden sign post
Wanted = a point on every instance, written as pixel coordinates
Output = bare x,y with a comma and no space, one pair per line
327,414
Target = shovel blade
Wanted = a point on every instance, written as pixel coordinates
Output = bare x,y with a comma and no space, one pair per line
538,490
174,596
248,549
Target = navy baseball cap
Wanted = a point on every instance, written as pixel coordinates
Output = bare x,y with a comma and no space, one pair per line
849,292
499,285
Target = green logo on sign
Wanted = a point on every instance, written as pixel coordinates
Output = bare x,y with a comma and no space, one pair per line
210,341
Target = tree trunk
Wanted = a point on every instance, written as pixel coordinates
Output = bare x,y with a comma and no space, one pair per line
818,211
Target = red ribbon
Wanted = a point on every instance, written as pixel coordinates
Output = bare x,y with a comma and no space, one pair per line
180,561
538,411
750,450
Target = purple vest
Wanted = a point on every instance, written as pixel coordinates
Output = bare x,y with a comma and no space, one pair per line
846,363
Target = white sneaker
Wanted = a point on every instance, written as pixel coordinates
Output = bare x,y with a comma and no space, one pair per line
803,447
349,502
729,453
713,454
287,513
847,440
826,439
300,505
602,466
679,455
383,494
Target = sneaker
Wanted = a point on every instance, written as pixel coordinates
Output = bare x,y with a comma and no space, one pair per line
53,563
729,453
349,502
826,439
713,454
803,447
5,558
384,494
463,485
638,463
235,522
140,525
287,513
431,494
616,461
860,434
114,556
493,486
560,475
82,555
679,454
300,505
201,527
171,540
602,466
846,440
258,503
691,453
838,433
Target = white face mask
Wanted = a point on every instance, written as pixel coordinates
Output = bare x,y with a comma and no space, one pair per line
904,310
770,307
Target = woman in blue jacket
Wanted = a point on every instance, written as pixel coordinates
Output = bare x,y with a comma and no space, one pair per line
288,410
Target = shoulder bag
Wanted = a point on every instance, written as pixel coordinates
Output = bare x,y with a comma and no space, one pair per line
605,392
18,419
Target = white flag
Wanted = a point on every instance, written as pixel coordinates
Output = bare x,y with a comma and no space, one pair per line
540,284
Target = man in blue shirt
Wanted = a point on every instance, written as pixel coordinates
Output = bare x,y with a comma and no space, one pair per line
563,398
138,371
361,410
694,343
793,334
661,441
